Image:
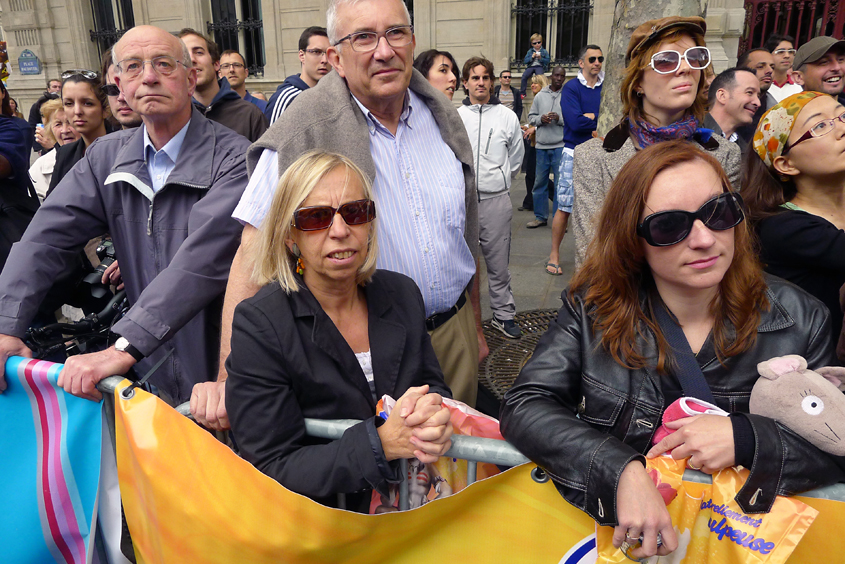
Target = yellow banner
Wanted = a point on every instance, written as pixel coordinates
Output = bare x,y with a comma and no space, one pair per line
188,498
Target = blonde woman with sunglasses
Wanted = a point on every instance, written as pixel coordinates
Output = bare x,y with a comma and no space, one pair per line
326,337
661,100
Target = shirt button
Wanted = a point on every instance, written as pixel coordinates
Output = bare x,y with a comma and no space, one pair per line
407,175
426,249
417,214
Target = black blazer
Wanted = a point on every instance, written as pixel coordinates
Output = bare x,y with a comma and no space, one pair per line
289,362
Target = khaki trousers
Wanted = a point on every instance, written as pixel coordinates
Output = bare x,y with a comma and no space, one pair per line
456,346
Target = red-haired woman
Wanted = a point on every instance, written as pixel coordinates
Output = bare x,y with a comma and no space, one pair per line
672,260
661,100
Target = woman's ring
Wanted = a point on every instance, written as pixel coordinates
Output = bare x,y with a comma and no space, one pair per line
692,466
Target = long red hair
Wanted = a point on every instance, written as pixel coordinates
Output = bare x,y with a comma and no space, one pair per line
615,273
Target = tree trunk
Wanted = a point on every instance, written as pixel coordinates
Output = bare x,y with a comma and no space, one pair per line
627,16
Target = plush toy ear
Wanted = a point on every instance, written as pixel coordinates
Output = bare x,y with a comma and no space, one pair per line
833,374
776,367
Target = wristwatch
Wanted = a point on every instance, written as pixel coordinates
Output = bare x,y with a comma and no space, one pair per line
123,345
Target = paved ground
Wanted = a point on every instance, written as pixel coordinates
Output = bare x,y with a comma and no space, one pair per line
532,287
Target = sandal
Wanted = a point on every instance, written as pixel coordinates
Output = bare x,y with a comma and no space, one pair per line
558,270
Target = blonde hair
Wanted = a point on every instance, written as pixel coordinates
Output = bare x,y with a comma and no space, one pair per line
271,258
536,37
47,110
632,105
540,79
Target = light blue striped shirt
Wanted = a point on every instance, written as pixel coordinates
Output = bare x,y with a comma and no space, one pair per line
161,163
420,202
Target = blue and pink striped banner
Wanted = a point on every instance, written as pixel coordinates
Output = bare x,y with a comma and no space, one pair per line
49,468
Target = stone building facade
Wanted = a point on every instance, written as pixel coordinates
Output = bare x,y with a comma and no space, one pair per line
58,32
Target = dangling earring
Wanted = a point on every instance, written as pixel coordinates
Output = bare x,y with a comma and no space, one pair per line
300,266
639,93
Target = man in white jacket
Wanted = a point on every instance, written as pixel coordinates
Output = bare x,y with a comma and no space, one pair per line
497,149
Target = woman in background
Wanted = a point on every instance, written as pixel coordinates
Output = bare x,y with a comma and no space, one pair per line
56,131
441,70
87,107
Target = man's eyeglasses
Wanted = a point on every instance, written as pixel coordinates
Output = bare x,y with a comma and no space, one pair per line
316,218
227,66
88,74
666,228
164,65
316,52
667,62
783,52
822,128
592,60
111,89
366,41
505,77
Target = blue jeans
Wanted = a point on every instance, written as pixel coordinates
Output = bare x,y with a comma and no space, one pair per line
548,162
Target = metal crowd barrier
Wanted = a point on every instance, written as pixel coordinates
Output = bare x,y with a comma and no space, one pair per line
471,449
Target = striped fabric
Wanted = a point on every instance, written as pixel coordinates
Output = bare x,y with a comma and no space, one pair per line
51,459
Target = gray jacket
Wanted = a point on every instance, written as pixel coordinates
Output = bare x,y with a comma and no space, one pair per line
175,246
549,135
598,161
340,126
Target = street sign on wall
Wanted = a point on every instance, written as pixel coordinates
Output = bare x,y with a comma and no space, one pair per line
28,63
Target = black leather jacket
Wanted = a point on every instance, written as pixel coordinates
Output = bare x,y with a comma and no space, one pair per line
583,417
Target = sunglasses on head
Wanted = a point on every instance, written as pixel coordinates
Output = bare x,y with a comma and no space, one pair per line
111,89
316,218
667,62
666,228
592,60
87,74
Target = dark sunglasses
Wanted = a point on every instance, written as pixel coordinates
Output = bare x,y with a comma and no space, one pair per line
111,89
90,75
666,228
316,218
536,43
592,60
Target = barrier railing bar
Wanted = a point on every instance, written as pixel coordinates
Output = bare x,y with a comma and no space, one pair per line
471,449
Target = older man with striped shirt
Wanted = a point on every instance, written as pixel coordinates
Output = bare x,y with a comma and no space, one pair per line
407,137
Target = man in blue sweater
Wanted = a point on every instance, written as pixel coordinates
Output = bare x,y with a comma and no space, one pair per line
579,103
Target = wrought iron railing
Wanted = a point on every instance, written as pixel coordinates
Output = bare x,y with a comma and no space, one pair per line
564,24
802,19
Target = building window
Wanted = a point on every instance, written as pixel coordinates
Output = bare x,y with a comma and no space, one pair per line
564,25
237,25
111,19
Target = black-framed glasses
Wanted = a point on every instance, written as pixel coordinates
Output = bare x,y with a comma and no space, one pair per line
164,65
503,77
111,89
667,228
366,41
227,66
316,52
667,62
783,52
536,43
87,74
315,218
824,127
592,60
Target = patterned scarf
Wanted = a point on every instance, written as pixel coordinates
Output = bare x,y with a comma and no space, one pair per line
647,134
776,125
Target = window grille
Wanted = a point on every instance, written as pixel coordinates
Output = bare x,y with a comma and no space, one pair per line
802,19
112,18
238,23
564,25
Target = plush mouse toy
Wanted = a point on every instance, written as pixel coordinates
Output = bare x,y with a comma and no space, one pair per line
809,403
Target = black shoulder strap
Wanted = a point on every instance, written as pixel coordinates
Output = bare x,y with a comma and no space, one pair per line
689,372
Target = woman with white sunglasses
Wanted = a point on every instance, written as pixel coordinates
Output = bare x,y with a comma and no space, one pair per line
661,100
794,184
670,302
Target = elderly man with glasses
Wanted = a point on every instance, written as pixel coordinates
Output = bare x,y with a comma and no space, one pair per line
165,191
407,137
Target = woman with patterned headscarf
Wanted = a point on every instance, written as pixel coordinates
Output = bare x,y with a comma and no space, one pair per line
794,186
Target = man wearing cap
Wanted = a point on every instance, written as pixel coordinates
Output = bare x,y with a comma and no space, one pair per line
819,66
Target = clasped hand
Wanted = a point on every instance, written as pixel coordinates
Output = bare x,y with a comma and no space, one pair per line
418,426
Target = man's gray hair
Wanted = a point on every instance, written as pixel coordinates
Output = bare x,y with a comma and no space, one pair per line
331,16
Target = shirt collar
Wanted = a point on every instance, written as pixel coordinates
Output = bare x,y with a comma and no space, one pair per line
583,80
171,148
407,107
784,83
